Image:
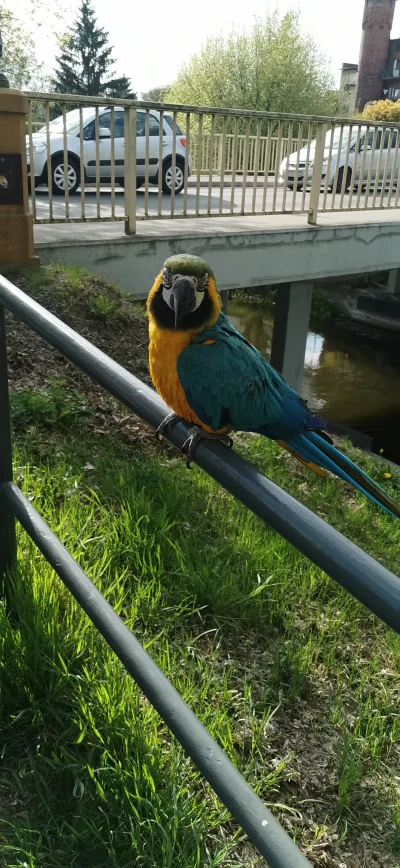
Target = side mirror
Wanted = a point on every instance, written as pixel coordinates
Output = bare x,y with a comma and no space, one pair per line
104,133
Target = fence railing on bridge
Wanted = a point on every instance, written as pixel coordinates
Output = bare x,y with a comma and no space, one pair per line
181,161
350,566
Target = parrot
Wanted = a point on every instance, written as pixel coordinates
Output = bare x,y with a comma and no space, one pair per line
212,377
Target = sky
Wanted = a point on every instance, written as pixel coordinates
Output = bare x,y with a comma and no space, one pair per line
153,41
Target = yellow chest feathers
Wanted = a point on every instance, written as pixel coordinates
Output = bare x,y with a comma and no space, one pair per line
164,349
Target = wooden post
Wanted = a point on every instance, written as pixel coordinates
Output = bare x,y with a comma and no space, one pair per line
16,223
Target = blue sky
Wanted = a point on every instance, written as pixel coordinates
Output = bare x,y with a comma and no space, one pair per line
151,40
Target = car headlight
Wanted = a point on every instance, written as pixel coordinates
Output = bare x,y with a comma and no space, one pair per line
37,148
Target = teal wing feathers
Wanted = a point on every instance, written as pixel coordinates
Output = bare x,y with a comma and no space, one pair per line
229,383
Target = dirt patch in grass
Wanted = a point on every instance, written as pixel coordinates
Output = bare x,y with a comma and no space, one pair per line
99,312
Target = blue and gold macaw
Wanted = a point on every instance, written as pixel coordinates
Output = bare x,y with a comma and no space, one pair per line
211,376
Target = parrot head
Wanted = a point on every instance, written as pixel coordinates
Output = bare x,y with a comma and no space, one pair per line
184,296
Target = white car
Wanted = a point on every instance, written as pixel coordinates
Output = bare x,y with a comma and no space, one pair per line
355,162
88,170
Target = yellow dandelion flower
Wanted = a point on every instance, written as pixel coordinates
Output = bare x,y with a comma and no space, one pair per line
387,475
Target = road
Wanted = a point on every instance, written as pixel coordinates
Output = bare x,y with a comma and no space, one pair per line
42,202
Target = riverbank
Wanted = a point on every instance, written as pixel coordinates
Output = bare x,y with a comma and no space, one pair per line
296,681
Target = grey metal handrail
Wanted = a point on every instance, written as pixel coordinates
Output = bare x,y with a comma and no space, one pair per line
256,820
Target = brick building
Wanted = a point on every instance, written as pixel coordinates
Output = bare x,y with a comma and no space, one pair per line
379,63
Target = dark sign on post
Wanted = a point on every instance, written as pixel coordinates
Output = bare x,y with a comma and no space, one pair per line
11,179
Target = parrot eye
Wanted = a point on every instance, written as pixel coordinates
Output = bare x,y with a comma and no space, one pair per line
167,279
202,284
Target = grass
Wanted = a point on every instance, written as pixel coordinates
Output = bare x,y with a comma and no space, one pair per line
296,680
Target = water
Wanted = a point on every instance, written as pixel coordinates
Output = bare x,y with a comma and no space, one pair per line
345,379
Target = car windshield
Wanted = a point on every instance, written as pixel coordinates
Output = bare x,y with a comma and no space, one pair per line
345,137
71,121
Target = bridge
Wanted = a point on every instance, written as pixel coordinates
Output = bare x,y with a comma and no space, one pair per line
265,198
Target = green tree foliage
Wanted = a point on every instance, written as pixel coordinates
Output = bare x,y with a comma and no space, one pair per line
19,62
156,94
274,67
85,63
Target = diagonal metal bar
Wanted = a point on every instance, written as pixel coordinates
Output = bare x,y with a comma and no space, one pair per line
367,580
255,819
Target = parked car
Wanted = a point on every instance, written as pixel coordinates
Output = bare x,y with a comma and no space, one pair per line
88,169
354,162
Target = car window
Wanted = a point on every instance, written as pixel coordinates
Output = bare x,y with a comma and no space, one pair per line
154,126
169,121
89,131
105,124
377,140
119,125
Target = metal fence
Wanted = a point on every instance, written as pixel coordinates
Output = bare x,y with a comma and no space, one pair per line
226,155
351,567
130,160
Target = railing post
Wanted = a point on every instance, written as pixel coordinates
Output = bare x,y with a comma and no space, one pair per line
317,175
8,545
130,171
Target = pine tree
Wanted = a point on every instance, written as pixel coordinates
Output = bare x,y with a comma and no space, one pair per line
85,64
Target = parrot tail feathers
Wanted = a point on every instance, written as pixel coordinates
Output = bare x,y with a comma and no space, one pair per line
309,464
315,449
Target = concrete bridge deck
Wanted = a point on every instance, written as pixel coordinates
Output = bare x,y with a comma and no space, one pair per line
244,251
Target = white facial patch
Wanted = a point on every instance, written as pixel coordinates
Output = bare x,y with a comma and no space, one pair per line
199,286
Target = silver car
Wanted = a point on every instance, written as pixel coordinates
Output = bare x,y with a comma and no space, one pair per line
87,169
345,163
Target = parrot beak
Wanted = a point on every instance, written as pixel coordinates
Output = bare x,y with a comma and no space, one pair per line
183,299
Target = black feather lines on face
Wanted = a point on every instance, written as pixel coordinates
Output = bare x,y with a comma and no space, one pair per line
165,316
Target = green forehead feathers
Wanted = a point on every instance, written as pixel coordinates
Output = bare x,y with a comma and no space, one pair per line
185,263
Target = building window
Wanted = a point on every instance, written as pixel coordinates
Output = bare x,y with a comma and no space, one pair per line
352,77
379,2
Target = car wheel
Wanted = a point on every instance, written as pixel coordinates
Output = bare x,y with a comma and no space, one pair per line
343,182
167,177
58,175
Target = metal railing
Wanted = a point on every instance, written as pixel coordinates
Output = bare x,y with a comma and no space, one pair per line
181,161
226,158
370,582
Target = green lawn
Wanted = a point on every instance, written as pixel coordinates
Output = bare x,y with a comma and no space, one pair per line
297,682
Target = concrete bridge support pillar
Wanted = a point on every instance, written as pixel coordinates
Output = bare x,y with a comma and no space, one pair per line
289,338
393,284
225,298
